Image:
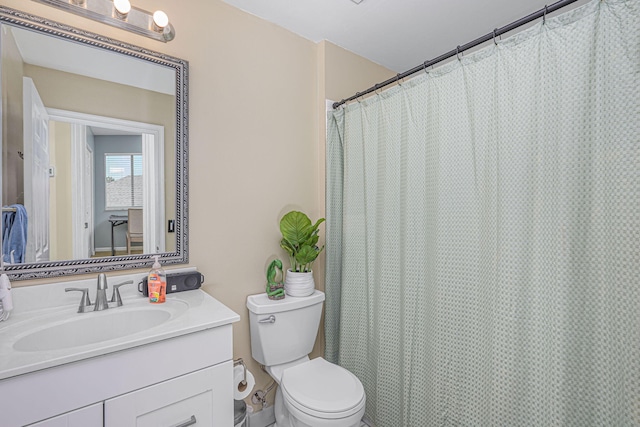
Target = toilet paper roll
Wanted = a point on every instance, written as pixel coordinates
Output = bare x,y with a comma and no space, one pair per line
241,391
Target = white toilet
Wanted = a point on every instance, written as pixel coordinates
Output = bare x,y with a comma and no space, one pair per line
311,393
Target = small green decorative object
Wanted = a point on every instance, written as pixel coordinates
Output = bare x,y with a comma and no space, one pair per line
275,290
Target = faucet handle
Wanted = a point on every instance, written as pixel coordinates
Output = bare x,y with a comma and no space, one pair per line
84,301
115,296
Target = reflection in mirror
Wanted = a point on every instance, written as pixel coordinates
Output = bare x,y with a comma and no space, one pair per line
93,151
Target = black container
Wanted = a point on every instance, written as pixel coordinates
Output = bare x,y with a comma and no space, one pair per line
176,282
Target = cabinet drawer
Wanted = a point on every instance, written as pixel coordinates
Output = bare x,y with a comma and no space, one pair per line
109,376
206,395
91,416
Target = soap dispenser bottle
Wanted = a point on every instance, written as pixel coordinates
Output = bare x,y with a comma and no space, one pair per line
157,283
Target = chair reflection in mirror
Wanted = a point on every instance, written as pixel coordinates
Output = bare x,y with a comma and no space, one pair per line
134,228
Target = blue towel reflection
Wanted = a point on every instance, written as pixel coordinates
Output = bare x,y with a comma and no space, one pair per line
14,234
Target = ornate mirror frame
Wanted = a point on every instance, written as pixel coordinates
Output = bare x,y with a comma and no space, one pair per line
106,264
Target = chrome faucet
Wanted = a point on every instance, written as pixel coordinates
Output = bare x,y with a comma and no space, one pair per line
101,295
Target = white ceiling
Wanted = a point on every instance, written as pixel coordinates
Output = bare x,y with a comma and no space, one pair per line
399,34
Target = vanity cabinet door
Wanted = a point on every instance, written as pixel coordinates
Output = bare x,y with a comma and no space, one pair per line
91,416
202,398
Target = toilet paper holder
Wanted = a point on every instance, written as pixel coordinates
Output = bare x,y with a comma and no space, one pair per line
237,362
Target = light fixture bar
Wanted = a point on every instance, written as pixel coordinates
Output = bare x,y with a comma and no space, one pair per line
137,20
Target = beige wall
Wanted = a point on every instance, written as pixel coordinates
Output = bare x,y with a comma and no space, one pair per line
346,73
256,138
60,191
12,164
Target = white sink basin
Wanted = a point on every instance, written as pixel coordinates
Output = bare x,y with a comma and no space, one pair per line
94,327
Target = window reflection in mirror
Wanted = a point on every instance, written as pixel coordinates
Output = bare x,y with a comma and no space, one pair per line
122,178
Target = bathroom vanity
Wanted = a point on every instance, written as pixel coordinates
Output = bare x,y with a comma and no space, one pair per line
136,365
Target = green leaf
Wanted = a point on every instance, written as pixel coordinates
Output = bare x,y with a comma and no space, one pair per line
295,228
312,240
284,244
317,224
307,254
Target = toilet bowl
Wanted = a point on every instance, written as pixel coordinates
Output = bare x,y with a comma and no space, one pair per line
311,393
319,393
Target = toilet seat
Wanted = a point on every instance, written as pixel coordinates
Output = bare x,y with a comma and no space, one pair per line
322,390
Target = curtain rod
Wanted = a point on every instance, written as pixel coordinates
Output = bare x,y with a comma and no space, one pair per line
542,13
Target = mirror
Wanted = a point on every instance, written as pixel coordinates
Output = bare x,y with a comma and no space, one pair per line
94,151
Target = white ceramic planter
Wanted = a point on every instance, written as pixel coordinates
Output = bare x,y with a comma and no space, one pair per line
299,284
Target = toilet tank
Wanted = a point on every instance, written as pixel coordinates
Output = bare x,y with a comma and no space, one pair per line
292,332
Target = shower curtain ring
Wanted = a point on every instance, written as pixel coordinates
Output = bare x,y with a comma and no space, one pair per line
544,15
398,80
358,97
458,53
424,66
495,30
375,89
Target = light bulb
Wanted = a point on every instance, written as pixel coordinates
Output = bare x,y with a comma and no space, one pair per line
160,19
122,6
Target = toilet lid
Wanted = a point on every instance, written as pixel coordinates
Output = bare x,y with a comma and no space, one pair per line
323,387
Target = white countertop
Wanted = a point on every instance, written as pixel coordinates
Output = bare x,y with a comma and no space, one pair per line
40,307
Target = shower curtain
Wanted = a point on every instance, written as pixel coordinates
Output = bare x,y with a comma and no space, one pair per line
483,232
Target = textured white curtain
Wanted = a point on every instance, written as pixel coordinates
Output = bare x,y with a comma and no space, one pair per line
483,234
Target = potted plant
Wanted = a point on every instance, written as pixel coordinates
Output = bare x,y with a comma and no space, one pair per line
300,241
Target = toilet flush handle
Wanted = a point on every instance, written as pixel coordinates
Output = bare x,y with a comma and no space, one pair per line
270,319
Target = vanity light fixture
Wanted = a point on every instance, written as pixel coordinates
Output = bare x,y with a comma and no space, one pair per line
122,8
120,13
160,20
